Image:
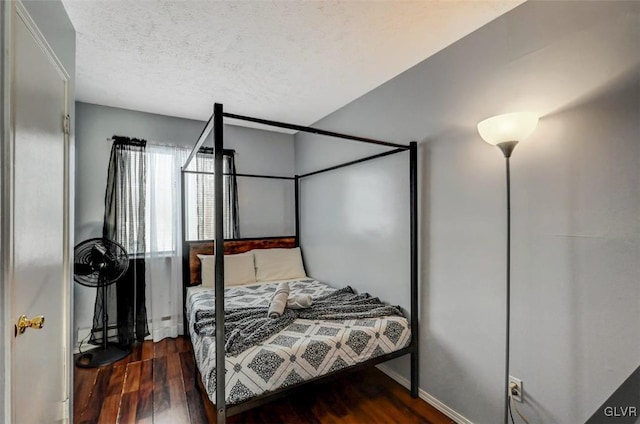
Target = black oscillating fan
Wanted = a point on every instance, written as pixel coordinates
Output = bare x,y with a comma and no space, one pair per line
98,263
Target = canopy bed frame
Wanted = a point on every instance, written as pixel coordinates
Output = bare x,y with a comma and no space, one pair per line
219,247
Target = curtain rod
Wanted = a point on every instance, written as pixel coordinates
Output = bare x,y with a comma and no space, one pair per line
128,140
157,143
134,140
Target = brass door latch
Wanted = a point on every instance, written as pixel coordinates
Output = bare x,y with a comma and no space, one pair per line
23,323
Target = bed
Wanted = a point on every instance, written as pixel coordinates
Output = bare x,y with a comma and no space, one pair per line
279,380
305,350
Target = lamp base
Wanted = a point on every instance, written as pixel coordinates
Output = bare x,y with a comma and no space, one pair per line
99,356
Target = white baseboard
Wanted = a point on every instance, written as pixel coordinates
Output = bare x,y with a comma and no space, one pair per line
159,334
455,416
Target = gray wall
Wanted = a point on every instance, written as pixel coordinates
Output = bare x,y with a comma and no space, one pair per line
576,209
266,208
52,20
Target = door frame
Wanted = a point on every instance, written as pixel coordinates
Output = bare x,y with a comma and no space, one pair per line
11,9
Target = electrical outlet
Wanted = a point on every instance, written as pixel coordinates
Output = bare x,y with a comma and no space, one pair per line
516,388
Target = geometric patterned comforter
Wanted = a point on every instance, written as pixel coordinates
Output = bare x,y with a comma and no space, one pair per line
302,351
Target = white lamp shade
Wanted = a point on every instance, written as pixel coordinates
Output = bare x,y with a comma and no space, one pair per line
508,127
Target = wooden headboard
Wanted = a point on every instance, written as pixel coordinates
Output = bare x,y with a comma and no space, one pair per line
231,247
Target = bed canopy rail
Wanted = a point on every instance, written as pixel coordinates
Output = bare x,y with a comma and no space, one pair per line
313,130
353,162
209,126
201,139
215,125
237,174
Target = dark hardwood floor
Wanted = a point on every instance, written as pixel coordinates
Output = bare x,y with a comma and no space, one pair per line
155,384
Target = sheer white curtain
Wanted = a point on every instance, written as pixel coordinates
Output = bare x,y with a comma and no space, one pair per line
163,254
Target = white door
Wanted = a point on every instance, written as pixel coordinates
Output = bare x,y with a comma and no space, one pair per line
38,273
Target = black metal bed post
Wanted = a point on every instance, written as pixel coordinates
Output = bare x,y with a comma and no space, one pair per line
218,179
413,211
297,200
185,252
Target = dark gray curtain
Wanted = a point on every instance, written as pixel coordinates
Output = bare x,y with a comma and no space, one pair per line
205,196
124,222
232,218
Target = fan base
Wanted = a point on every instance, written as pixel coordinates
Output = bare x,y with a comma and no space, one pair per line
99,357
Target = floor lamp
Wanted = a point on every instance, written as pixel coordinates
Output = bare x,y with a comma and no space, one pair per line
505,131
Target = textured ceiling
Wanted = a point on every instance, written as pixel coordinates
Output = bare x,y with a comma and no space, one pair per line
294,61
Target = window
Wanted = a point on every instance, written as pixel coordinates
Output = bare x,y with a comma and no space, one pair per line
148,189
201,198
162,188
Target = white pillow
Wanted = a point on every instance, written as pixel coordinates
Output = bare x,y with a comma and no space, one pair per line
238,269
278,264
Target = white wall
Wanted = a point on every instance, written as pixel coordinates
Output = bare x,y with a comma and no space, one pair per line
266,206
576,209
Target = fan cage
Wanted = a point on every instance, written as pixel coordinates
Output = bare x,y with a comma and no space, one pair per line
99,262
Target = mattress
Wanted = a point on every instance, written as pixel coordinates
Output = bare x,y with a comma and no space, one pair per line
304,350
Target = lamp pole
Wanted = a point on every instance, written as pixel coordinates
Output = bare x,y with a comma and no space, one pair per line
507,147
